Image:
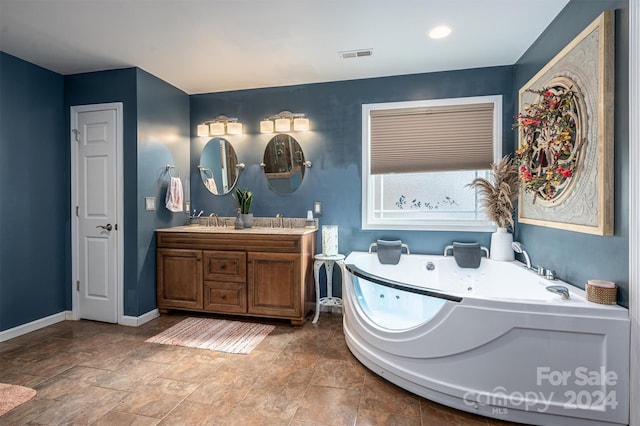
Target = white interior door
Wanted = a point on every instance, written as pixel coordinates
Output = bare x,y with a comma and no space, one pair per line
95,196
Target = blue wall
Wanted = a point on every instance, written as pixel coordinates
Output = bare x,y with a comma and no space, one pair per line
334,146
34,193
163,138
574,256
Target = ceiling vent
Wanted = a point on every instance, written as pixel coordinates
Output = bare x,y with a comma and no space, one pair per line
362,53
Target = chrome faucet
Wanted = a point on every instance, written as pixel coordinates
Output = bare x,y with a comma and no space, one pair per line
213,218
281,221
519,248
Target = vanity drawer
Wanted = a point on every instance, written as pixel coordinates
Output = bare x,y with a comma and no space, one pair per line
226,266
225,297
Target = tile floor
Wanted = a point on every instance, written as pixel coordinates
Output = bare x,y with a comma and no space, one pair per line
90,373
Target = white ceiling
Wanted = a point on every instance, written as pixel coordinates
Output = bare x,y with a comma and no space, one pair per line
205,46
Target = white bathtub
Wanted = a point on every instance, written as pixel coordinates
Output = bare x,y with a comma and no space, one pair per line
491,340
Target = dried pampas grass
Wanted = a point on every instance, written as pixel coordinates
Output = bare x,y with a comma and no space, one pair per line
500,193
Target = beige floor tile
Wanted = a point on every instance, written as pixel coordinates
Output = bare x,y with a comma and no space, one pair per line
15,378
93,373
156,398
340,374
329,406
85,375
132,374
434,414
255,363
276,340
60,388
87,407
285,375
27,412
190,413
378,418
226,389
195,369
116,418
241,417
380,395
277,404
56,363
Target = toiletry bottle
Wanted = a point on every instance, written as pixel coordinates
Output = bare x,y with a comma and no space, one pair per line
238,224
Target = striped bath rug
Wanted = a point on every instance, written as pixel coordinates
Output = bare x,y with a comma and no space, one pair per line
234,337
11,396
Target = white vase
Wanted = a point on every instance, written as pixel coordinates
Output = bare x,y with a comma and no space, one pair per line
501,245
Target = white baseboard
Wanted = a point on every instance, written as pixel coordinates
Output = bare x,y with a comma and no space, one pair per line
33,325
138,321
68,316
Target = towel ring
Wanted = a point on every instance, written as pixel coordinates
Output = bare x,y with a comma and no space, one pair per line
169,168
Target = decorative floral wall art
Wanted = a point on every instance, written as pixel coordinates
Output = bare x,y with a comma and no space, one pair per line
565,134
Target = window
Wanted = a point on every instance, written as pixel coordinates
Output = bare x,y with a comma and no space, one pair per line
419,156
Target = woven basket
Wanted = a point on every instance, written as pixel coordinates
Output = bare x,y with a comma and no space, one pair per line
603,292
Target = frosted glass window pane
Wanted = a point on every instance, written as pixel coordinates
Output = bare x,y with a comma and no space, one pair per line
436,196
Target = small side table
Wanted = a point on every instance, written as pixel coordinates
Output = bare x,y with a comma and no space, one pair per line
328,261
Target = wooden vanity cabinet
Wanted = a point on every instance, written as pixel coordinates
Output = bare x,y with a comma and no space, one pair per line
179,278
262,275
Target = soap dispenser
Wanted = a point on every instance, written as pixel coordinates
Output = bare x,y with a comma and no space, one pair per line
239,224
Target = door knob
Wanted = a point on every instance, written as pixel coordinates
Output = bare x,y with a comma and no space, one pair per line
108,227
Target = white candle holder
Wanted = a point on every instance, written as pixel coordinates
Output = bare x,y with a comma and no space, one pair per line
330,240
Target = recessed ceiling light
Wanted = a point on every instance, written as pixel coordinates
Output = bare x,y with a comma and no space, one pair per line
440,31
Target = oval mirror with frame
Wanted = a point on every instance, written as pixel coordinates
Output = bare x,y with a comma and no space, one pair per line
217,167
284,164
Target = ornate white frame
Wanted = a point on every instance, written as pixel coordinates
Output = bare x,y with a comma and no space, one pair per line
589,61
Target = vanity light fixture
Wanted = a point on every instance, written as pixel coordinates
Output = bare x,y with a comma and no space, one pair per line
203,130
282,122
300,124
266,126
221,125
234,128
217,128
283,125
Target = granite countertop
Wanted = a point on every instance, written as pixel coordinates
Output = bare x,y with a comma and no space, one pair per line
231,230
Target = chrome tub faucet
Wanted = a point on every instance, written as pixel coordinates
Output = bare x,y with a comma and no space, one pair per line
519,248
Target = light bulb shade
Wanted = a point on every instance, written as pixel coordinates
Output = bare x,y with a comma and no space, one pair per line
283,125
234,128
300,124
203,130
216,128
266,126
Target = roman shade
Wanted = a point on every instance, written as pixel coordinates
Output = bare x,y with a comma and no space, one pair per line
428,139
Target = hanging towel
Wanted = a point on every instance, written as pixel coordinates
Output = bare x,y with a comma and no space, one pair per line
211,185
173,200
